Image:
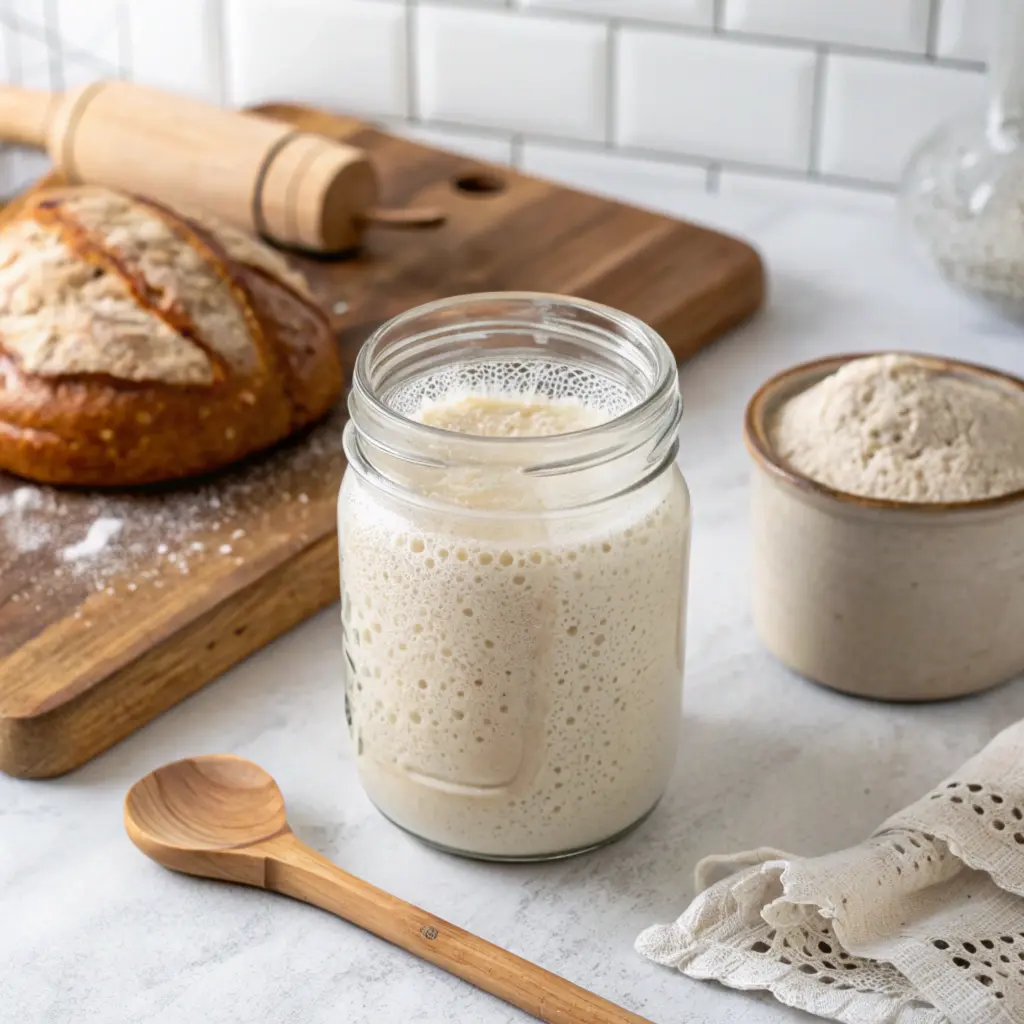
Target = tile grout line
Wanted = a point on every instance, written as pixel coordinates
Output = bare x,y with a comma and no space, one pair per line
12,55
54,44
12,51
124,41
611,84
817,113
931,45
412,64
220,20
713,181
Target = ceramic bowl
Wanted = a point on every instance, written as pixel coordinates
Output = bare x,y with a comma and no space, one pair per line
892,600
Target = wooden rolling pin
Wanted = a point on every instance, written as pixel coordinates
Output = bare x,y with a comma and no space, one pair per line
294,188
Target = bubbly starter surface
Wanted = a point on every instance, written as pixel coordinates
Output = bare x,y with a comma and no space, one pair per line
497,416
514,682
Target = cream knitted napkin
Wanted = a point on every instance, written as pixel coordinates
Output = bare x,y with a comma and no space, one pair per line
921,924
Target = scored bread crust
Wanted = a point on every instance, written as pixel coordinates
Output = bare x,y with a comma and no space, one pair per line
138,345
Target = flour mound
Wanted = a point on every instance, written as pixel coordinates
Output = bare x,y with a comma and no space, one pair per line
893,427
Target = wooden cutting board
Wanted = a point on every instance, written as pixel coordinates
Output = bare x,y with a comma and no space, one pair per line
115,607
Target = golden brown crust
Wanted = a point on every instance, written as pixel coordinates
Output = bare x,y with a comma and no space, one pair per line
107,427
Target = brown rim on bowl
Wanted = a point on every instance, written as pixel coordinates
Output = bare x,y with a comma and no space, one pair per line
755,433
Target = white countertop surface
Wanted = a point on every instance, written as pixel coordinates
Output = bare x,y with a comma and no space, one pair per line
90,930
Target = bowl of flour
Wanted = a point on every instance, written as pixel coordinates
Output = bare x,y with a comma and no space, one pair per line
888,524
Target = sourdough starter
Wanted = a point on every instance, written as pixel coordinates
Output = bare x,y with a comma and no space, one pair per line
514,681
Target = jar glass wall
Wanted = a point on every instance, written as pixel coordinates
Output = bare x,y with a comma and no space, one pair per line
514,606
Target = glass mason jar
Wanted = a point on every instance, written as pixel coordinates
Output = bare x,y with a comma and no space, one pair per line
963,188
514,606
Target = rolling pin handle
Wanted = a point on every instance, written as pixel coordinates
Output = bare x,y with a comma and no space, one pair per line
416,217
25,115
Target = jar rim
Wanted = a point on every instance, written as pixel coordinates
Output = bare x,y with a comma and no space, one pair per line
404,437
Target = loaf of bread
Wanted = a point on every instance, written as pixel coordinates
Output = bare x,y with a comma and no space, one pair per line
139,345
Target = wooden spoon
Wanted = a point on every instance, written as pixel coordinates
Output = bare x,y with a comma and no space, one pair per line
223,817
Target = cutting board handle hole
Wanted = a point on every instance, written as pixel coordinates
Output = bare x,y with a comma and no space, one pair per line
479,183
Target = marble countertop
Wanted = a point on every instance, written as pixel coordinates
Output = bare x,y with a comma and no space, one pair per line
90,930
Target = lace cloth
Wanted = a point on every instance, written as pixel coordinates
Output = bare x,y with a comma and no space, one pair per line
921,924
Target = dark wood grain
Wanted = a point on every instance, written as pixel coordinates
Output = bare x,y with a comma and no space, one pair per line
82,666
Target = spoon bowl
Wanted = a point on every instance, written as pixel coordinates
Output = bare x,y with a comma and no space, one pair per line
215,802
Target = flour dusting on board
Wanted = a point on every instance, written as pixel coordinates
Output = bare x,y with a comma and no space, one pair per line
22,529
101,532
126,541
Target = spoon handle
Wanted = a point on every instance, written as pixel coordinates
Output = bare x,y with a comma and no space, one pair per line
293,869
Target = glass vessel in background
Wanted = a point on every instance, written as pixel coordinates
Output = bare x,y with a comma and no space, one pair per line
963,188
513,606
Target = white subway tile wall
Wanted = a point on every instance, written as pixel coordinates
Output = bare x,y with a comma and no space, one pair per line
317,52
873,107
6,74
703,96
91,29
31,10
35,65
502,69
884,24
965,28
651,99
177,46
